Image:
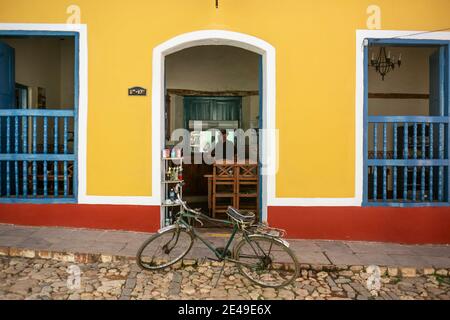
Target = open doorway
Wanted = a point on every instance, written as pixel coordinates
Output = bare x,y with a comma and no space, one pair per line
212,91
38,106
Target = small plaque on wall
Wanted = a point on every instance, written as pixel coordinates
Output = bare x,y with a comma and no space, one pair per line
137,91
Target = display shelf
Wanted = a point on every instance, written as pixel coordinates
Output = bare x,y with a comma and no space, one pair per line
170,163
173,182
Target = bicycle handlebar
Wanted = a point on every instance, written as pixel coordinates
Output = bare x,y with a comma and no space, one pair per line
183,203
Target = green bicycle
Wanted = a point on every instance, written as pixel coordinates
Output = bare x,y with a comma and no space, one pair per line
261,255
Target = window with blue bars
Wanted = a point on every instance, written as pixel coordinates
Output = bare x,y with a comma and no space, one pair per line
406,139
38,117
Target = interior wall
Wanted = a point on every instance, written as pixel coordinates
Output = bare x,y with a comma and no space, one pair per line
47,63
411,77
215,69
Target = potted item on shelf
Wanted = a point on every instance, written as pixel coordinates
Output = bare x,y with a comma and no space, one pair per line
166,153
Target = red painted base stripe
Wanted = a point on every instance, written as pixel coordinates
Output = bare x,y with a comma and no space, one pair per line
384,224
111,217
403,225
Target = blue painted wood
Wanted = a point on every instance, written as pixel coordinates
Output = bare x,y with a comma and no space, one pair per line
39,200
375,168
415,140
394,184
447,113
406,42
384,157
366,126
16,150
55,163
423,169
36,33
405,156
24,135
261,126
8,134
76,108
7,101
25,151
414,182
1,163
36,113
45,147
424,141
422,184
405,141
394,178
405,162
34,162
8,150
65,162
408,119
395,140
441,168
431,195
406,204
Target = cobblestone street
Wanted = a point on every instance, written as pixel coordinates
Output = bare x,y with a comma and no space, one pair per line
22,278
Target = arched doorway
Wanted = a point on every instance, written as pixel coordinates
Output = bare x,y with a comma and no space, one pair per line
267,98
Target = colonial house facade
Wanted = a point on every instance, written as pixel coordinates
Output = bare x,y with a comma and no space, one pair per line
349,102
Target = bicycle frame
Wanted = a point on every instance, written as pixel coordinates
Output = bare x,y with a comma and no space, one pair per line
220,255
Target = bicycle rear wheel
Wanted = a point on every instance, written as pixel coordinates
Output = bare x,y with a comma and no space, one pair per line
164,249
266,261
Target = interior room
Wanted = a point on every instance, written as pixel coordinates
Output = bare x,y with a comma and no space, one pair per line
216,87
411,93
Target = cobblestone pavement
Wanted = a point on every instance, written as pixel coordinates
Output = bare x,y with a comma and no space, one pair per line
22,278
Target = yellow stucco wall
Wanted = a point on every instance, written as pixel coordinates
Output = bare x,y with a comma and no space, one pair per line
315,45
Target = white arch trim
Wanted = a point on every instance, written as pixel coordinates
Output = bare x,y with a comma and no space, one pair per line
215,37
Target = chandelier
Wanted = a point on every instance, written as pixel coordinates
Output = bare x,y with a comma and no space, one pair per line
384,63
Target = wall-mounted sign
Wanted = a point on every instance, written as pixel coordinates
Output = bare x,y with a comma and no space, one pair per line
137,91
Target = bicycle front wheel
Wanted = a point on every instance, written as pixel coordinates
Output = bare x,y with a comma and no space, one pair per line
164,249
266,261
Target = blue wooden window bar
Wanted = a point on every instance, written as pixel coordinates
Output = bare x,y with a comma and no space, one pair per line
407,157
415,170
37,157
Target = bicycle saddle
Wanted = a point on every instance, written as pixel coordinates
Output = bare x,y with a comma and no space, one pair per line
242,216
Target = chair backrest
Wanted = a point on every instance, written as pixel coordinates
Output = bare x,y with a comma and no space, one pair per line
247,171
224,171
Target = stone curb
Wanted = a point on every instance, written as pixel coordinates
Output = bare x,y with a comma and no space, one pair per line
78,257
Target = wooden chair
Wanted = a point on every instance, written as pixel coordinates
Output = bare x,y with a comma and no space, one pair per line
224,177
247,186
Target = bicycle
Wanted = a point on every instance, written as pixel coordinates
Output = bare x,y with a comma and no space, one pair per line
262,256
